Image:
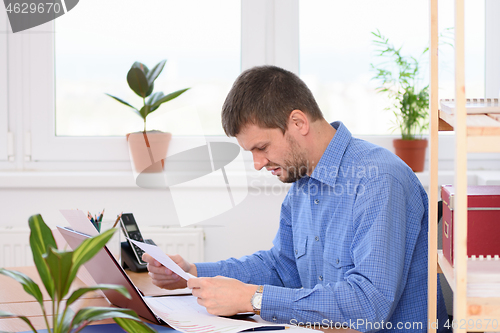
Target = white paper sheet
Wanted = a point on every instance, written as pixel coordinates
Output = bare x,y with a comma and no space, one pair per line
185,314
155,252
79,221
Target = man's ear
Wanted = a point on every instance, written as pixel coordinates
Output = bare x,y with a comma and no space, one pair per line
299,122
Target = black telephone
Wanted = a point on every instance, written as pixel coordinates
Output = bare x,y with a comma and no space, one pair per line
131,253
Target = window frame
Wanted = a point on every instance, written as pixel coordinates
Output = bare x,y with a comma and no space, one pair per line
6,143
492,49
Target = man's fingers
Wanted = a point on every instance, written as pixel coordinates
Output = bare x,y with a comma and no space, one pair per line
147,258
159,269
193,283
164,277
201,302
196,292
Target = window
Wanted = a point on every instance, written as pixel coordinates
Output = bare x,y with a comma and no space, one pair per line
336,50
47,111
475,21
98,42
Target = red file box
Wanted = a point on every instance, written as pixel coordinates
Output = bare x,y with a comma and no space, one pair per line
483,221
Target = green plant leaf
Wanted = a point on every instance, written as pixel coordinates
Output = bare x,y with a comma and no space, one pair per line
65,318
146,72
80,292
137,81
133,325
398,77
153,74
123,102
60,264
150,90
90,314
41,239
88,249
167,98
140,66
28,284
145,110
153,99
4,314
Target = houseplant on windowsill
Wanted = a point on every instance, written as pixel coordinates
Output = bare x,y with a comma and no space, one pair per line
398,77
57,270
148,149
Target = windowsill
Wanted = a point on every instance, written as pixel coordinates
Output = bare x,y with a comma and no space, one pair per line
120,179
67,179
125,179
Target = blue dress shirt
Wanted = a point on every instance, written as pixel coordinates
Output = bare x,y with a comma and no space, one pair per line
351,247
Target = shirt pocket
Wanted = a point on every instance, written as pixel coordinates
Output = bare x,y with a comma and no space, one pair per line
301,247
337,261
341,259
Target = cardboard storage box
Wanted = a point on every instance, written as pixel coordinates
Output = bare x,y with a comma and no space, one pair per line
483,219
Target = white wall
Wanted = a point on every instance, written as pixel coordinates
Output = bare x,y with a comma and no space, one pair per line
249,227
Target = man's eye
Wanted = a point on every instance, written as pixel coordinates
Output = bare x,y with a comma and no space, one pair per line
262,148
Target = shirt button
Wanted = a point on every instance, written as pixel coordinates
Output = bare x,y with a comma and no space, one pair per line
316,201
321,277
316,239
296,251
337,261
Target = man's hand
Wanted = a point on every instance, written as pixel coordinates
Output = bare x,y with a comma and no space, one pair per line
164,277
223,296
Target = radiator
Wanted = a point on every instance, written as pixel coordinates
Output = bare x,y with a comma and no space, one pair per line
188,242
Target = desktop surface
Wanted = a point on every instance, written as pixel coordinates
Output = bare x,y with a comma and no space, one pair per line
15,300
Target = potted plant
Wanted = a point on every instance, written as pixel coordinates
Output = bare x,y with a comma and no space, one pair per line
148,149
57,270
398,77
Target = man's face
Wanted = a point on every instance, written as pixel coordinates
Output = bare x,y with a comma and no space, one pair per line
278,153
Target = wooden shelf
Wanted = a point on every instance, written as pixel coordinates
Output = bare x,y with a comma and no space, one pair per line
483,276
480,311
483,291
473,105
483,131
477,124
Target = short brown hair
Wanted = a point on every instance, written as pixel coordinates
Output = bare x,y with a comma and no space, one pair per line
265,96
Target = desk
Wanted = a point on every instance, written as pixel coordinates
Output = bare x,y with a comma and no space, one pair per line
14,299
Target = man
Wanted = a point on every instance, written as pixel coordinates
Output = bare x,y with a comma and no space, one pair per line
352,242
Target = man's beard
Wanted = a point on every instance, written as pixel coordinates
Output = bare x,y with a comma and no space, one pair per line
296,164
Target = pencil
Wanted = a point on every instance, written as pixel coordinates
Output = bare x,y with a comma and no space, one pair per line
117,219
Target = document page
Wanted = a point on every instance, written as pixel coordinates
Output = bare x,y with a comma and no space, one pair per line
185,314
157,253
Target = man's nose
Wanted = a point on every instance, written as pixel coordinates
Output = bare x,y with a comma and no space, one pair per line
259,160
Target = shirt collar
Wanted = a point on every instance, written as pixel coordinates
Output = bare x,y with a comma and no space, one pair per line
327,169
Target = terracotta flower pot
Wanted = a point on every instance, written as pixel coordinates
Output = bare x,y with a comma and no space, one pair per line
412,152
148,150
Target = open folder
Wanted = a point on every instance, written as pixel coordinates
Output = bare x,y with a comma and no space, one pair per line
180,312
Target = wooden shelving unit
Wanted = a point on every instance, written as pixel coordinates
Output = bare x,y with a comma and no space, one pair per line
475,281
483,124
